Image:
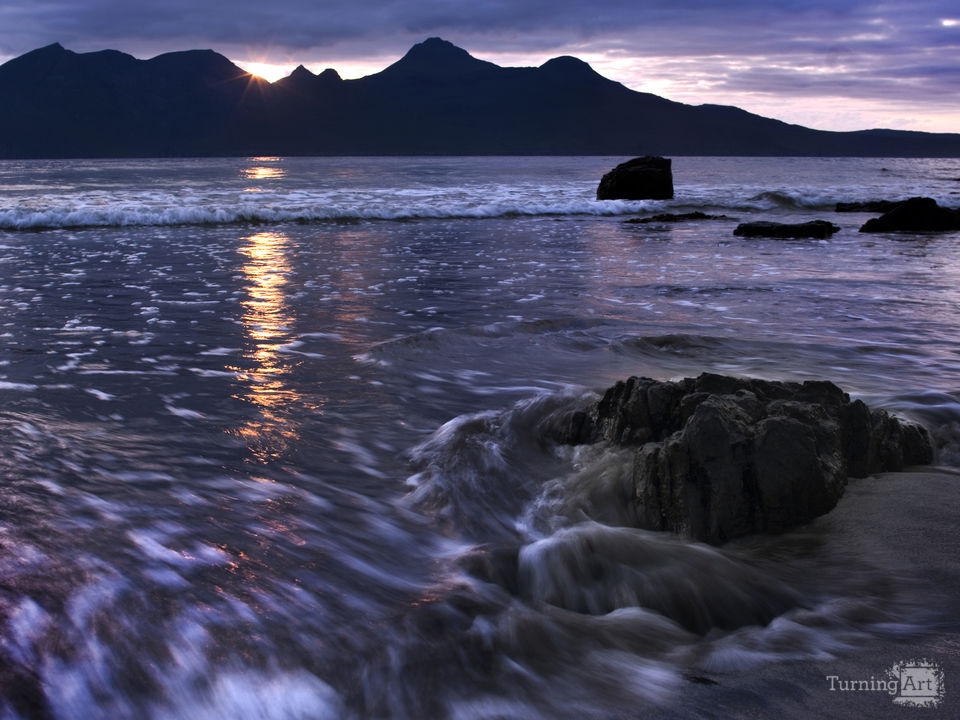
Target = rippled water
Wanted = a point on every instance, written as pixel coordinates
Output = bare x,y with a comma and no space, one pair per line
268,432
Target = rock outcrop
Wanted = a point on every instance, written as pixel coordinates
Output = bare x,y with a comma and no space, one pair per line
720,457
918,214
643,178
814,229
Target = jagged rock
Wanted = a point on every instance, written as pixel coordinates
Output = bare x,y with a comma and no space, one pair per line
675,217
721,457
643,178
880,206
918,214
814,229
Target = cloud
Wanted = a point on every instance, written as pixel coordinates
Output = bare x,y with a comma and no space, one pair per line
683,25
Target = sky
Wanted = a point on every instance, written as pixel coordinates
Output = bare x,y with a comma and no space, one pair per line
828,64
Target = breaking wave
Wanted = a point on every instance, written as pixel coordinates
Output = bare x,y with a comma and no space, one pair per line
249,213
305,207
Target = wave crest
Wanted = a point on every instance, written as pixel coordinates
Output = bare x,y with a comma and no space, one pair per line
247,213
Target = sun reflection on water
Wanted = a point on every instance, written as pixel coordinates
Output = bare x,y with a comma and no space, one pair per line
267,319
264,168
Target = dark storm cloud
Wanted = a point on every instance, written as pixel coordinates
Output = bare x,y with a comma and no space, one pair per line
687,24
752,45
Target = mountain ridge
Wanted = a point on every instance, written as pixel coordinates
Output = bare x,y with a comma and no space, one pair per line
436,99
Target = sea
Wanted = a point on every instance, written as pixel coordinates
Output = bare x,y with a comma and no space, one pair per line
271,430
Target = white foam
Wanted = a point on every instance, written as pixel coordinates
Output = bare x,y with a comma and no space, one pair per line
134,209
25,387
100,395
201,372
251,695
185,413
322,335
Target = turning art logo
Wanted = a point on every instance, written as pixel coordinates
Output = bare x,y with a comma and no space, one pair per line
914,683
920,682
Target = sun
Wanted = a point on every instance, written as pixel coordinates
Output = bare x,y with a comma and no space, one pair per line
270,72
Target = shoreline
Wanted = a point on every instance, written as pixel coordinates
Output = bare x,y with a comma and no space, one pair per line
907,522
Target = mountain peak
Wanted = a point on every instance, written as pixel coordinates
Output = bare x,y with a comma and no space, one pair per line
567,63
53,50
207,64
302,81
569,69
436,56
437,50
39,60
301,73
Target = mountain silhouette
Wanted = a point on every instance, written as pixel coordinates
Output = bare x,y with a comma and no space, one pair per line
436,99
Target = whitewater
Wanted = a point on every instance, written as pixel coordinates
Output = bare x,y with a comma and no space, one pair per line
40,194
271,437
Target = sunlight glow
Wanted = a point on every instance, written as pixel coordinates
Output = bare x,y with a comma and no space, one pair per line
270,72
950,22
267,320
346,69
264,168
264,173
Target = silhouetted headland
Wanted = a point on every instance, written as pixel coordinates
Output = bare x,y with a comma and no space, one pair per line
436,100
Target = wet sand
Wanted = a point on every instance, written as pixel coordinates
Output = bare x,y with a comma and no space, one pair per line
906,522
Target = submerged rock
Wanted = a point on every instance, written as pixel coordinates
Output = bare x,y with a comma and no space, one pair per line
596,569
918,214
814,229
643,178
880,206
675,217
720,457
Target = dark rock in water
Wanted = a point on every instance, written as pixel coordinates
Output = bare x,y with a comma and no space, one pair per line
880,206
675,217
918,214
721,457
497,564
595,569
813,229
644,178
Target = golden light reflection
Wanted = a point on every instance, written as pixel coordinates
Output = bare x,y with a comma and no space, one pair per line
267,321
264,172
